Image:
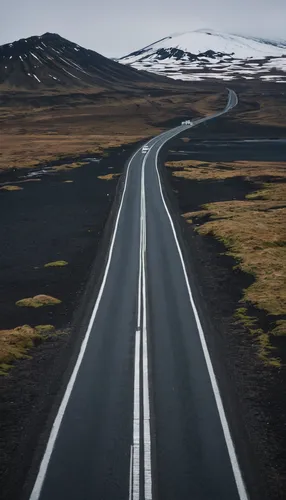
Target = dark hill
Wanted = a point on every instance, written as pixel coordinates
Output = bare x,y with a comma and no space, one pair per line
51,61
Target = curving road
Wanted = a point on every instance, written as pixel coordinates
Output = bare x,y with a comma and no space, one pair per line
142,416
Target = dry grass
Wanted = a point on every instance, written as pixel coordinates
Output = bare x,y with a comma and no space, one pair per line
24,151
210,103
253,231
15,343
271,109
69,166
11,188
57,263
84,124
194,169
264,347
108,177
38,301
280,328
45,329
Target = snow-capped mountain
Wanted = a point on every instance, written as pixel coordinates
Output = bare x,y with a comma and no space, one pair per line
206,54
52,61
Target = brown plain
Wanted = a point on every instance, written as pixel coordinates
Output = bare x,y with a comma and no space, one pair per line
34,132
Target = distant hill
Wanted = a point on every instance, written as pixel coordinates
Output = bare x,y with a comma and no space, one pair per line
207,54
50,61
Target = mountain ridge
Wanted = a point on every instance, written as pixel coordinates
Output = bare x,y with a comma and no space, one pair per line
51,61
204,53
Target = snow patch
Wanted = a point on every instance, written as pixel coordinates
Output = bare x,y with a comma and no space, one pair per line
71,74
54,78
36,57
74,65
37,78
55,50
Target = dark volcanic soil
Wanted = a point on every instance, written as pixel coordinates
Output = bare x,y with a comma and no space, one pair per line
231,150
254,395
48,220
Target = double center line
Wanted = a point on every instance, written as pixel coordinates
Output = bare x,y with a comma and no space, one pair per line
141,430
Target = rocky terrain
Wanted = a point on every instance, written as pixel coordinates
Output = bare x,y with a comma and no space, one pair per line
54,62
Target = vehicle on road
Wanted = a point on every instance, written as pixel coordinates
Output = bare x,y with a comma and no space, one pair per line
187,122
145,149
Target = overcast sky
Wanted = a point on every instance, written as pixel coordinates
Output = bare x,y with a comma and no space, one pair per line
115,28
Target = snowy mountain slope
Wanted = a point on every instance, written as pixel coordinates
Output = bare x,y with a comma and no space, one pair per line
52,61
203,54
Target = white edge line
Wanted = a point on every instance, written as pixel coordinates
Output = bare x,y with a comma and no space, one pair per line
228,439
57,422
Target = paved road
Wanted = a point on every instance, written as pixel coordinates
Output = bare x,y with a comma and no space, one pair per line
142,416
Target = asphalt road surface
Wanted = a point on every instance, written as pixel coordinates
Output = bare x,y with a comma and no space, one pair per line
142,416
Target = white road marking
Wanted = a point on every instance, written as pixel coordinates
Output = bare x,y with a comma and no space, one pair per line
136,421
226,431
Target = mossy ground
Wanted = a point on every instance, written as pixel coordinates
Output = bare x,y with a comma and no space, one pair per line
57,263
253,232
10,187
38,301
15,343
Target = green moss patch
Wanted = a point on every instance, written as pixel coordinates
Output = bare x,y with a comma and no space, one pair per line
45,329
11,188
15,343
69,166
57,263
264,347
280,329
108,177
38,301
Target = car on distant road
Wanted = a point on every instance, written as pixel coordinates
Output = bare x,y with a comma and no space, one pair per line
187,122
145,149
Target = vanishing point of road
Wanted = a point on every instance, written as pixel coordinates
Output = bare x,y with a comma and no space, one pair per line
142,417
